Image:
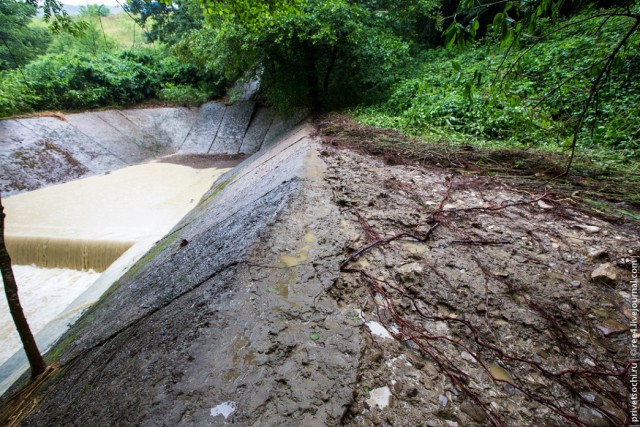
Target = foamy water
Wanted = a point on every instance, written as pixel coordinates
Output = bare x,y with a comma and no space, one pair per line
87,224
43,294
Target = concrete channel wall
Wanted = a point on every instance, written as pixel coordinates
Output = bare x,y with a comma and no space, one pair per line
227,319
40,151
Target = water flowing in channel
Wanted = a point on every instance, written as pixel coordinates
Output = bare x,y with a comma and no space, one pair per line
61,237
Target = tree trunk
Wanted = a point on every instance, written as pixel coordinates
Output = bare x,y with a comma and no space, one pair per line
312,76
36,361
327,76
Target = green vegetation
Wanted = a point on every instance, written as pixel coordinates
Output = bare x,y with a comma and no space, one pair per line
326,53
529,98
125,32
546,75
19,44
107,63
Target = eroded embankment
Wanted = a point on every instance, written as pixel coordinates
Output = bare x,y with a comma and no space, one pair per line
228,311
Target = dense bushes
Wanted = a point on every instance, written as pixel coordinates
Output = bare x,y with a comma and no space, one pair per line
533,98
75,80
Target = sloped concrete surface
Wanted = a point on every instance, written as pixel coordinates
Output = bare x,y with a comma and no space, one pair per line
233,128
164,124
258,128
228,310
27,161
90,153
204,131
41,151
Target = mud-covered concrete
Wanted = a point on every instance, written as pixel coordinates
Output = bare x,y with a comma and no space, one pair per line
229,309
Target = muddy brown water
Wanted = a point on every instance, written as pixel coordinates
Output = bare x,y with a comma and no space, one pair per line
60,237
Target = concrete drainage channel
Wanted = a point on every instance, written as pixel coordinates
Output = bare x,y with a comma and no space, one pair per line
40,151
226,319
247,200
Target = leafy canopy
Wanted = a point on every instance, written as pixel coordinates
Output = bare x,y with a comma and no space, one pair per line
19,42
324,53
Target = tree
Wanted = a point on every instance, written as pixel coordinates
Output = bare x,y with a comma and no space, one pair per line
319,52
94,10
36,360
519,20
19,41
56,16
169,20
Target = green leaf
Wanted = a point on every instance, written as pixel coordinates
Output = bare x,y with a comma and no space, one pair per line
498,20
451,34
314,336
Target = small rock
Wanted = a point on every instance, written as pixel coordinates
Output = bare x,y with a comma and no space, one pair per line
605,273
611,327
379,397
589,228
412,267
503,274
544,205
468,357
596,253
474,411
592,417
443,400
576,283
510,389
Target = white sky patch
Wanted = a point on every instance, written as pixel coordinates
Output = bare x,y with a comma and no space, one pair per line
225,409
87,2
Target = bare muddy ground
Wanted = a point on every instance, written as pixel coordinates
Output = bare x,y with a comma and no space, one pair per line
479,303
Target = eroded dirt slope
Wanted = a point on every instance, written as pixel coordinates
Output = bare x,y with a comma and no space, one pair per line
484,304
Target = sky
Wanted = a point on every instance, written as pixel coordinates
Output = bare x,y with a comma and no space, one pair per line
85,2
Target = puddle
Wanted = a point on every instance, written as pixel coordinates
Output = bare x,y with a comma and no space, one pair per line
289,261
499,373
282,285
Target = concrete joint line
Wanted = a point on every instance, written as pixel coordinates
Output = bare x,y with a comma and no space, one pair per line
224,113
269,159
133,141
244,135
